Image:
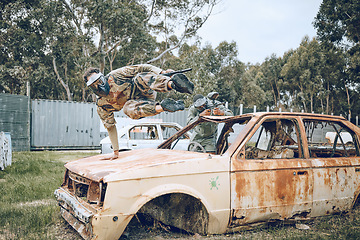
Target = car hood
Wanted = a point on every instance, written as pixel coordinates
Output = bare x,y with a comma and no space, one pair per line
146,163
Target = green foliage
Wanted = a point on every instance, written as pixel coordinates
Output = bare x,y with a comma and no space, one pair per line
303,74
338,19
50,43
213,70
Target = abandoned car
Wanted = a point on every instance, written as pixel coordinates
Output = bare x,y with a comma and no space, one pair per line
268,167
145,135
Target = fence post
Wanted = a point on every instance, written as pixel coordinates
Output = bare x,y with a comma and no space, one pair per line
357,120
241,109
267,109
254,108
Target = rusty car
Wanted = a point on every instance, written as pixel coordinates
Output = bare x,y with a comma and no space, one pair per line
269,167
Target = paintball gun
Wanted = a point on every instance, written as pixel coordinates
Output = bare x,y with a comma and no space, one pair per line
176,72
211,103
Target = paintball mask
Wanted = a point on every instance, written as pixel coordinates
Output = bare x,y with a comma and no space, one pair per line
200,102
99,85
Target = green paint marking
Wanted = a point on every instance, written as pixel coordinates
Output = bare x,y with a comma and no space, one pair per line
213,183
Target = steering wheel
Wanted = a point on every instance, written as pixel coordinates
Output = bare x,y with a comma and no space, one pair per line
196,147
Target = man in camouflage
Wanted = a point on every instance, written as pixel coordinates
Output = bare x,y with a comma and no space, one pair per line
205,133
133,89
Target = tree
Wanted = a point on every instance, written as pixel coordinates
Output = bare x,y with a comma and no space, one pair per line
302,74
252,93
271,80
59,39
338,26
20,43
176,21
230,71
338,20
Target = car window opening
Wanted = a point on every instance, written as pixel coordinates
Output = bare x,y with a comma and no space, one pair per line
274,139
328,139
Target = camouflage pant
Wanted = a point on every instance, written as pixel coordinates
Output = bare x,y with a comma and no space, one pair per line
139,99
209,144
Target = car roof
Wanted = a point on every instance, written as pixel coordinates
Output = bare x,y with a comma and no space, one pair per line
275,114
127,127
152,123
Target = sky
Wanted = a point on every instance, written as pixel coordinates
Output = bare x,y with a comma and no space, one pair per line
261,27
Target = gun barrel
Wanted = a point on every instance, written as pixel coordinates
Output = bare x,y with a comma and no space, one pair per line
176,72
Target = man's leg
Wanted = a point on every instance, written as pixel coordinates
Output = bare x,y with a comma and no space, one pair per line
150,81
139,108
109,122
146,87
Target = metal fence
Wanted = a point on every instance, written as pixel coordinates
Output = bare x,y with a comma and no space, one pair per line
64,125
75,125
15,119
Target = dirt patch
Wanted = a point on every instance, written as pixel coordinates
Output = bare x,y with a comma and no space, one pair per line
328,227
6,234
63,231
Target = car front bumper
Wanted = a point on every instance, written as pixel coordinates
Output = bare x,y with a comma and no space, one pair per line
75,213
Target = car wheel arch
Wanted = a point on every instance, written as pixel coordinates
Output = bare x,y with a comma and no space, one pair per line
356,201
167,197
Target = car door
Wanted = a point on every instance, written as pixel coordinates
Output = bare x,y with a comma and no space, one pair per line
143,136
334,155
270,178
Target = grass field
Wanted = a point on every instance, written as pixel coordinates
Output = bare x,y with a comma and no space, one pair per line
28,209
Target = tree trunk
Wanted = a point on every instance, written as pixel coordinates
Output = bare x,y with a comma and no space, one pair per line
327,98
348,99
101,49
67,89
275,98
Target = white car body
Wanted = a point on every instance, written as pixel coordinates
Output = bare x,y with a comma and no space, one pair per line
145,135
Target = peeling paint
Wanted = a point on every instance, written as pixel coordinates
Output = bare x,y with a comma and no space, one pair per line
276,167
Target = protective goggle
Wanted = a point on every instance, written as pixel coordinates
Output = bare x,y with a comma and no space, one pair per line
200,102
101,88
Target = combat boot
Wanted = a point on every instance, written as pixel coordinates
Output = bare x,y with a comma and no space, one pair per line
170,105
181,83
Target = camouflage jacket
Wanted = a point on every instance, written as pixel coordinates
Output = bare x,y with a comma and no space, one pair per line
121,86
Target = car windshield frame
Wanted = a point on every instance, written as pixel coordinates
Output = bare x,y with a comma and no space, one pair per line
229,121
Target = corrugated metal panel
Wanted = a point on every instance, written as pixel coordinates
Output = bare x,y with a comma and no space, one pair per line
178,117
63,124
15,119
